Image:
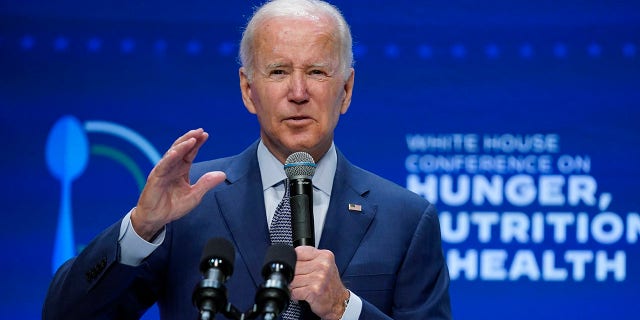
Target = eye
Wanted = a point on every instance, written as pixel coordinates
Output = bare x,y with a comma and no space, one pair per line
277,74
318,74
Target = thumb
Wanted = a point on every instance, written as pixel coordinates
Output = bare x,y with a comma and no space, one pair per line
207,182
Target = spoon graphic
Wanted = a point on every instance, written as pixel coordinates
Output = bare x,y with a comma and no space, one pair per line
67,154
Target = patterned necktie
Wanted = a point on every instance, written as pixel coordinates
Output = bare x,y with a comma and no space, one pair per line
280,232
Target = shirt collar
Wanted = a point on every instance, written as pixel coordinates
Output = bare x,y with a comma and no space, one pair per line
272,171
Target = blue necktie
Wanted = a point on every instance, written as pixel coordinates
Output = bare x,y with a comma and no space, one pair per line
280,232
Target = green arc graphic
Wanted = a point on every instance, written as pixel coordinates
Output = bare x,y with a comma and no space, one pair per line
123,159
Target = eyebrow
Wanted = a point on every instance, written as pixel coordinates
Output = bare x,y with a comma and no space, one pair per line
320,65
276,65
282,64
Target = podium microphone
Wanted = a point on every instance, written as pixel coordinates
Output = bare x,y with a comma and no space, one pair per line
300,168
273,296
216,264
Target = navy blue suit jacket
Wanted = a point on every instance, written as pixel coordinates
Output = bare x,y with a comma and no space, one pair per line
389,254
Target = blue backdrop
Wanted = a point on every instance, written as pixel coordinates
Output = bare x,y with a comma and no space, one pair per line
519,120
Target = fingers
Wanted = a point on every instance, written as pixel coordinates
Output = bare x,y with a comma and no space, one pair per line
200,140
314,267
310,259
312,281
168,194
187,145
182,151
317,281
169,179
196,133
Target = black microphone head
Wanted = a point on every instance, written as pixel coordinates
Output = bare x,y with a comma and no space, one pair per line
215,250
280,254
273,295
299,164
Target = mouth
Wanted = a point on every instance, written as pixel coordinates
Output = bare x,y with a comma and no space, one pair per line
298,119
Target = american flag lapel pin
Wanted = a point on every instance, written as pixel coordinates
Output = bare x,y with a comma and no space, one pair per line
355,207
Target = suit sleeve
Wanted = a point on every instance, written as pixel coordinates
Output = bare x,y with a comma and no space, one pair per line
422,285
94,285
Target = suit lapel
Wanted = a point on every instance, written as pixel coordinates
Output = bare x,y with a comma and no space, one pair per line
242,206
344,228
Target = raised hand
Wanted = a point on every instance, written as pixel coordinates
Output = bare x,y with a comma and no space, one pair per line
168,193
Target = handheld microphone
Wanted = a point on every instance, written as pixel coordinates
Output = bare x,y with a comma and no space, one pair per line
273,296
300,168
216,264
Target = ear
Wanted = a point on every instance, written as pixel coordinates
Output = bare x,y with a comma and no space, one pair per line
348,90
245,89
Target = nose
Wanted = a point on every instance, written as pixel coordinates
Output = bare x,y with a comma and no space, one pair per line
298,90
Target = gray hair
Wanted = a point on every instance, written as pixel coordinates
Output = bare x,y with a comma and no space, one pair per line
296,8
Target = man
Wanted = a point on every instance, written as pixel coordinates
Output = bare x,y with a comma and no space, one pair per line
383,260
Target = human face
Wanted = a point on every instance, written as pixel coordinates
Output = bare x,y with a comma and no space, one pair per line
297,89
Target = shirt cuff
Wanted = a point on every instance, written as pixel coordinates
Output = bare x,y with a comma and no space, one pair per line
354,307
133,249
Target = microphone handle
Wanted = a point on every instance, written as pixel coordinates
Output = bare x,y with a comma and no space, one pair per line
301,202
302,229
